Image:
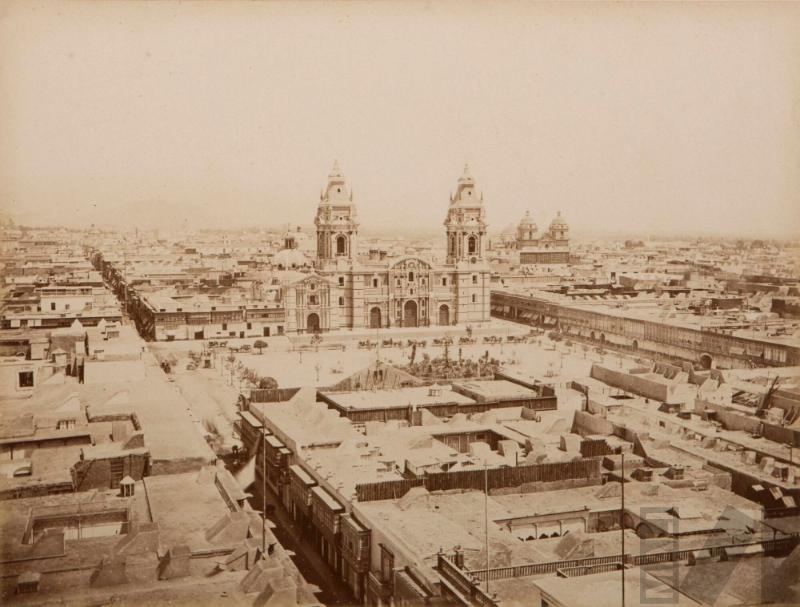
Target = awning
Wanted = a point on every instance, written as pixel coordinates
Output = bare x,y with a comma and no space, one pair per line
575,525
525,533
548,529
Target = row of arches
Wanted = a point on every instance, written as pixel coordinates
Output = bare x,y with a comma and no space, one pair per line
410,315
472,245
339,246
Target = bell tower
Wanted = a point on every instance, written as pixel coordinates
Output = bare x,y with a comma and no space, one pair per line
337,227
465,224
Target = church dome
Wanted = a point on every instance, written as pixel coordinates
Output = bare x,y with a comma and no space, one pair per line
290,258
527,222
466,177
558,223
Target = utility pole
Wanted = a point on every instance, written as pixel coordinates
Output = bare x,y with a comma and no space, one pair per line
622,528
263,488
486,518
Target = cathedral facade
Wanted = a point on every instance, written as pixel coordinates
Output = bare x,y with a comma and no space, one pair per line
548,247
345,291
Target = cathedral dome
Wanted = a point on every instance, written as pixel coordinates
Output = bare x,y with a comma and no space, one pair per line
527,223
558,223
290,258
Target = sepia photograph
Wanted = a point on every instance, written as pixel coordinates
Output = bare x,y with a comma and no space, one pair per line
444,303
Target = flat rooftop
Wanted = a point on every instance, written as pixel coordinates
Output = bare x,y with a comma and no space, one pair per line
495,389
397,398
169,432
641,590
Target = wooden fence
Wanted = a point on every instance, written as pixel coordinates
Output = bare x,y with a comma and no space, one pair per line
498,478
272,395
588,570
462,582
589,564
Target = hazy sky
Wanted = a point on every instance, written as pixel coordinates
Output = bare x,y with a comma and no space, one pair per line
634,116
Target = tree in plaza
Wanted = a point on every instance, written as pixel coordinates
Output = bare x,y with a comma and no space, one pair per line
259,345
267,383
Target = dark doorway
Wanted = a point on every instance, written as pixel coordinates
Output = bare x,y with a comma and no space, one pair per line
444,315
266,331
375,318
312,323
410,313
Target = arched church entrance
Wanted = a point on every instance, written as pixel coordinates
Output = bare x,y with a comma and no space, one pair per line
375,318
444,315
312,323
410,313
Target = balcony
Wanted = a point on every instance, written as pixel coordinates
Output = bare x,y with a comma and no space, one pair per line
375,587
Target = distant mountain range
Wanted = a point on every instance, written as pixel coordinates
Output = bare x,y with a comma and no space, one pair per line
152,214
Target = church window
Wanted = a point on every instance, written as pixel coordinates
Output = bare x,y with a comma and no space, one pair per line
341,281
472,245
313,286
375,283
474,299
474,279
312,300
341,301
341,245
410,276
398,282
444,281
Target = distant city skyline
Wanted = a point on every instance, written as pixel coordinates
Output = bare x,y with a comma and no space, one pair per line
634,118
